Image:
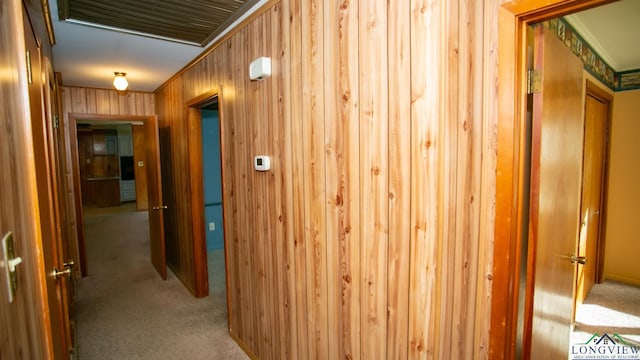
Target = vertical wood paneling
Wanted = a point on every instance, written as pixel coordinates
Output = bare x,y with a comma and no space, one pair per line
342,154
249,277
295,171
425,111
314,169
259,144
102,102
91,103
282,252
230,186
114,104
80,100
446,190
467,126
399,179
489,108
371,237
374,176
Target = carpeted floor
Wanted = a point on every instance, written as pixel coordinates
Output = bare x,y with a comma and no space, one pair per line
611,308
124,310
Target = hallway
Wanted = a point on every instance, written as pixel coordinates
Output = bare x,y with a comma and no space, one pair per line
124,310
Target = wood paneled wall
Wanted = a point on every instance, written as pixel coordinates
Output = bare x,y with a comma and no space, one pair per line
79,100
372,235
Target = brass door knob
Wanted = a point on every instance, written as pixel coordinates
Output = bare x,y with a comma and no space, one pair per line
57,273
579,259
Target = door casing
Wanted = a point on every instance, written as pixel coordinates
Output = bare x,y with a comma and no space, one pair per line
75,172
597,92
194,106
513,19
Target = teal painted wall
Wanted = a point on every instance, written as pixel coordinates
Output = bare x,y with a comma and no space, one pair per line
212,178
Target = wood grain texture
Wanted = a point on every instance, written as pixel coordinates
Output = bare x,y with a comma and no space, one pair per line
399,127
374,176
294,170
371,237
313,168
25,331
81,100
488,149
425,111
342,159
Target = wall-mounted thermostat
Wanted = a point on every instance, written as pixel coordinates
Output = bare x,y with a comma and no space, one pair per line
262,163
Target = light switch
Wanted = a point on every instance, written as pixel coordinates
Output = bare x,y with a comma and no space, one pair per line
140,163
212,226
8,264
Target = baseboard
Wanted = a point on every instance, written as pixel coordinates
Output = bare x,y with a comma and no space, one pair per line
622,279
243,346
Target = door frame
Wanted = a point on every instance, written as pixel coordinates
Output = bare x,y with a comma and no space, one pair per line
75,171
513,19
596,91
196,176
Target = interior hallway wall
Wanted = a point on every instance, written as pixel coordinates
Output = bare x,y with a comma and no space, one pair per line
622,235
372,235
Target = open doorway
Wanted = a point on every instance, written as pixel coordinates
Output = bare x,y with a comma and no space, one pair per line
606,168
513,190
111,162
205,119
100,150
212,185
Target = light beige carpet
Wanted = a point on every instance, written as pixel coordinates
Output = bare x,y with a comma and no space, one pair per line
124,310
610,308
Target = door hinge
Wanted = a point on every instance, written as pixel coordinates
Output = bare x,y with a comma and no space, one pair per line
534,81
56,122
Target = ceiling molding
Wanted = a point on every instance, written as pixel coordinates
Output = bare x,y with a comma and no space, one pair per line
591,40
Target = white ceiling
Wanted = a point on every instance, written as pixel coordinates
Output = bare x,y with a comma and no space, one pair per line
612,30
88,56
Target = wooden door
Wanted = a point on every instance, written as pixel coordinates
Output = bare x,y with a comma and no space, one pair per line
596,115
25,315
46,179
154,195
556,165
63,244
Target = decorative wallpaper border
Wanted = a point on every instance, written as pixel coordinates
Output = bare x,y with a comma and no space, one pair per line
593,63
628,80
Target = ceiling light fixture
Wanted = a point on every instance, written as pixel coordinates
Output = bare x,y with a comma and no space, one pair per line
120,81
